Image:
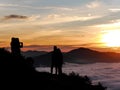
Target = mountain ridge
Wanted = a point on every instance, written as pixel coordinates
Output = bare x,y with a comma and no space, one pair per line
80,55
33,53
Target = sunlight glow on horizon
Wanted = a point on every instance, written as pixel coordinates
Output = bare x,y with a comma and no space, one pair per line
52,22
111,38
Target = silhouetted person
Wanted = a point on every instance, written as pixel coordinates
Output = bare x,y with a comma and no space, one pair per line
53,64
57,60
15,46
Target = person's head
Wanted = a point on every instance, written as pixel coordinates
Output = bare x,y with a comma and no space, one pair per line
55,47
13,39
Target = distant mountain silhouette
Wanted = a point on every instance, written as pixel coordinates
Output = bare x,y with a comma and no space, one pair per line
80,55
89,55
31,53
43,60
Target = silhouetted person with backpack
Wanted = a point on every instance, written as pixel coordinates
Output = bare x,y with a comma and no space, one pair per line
15,46
57,61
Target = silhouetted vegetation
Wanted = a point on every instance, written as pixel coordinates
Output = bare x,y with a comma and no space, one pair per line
18,71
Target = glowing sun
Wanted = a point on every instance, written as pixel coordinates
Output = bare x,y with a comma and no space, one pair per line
111,38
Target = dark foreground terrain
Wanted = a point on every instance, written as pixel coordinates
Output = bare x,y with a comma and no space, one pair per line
18,72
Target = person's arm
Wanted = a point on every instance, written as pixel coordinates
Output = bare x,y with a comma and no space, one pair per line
21,44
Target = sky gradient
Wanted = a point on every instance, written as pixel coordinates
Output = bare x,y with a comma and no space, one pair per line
58,22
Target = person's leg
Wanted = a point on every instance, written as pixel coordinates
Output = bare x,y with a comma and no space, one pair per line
56,70
60,70
51,69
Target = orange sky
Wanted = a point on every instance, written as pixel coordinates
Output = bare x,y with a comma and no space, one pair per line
85,23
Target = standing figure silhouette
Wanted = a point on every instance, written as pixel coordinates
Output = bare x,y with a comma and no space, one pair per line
15,46
57,61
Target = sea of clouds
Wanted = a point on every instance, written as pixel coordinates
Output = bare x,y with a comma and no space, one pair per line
106,73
